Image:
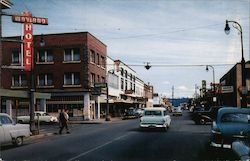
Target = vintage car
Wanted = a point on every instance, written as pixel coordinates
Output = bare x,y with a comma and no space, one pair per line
129,113
203,116
156,117
231,124
177,111
11,132
42,116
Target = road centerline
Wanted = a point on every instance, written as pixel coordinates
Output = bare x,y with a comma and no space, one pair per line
98,147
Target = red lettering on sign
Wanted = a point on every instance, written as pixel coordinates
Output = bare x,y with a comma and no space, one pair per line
28,46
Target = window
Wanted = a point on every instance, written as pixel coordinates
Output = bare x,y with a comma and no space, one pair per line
103,79
5,120
103,62
126,85
72,79
71,55
92,56
16,59
98,78
45,80
122,84
126,74
45,56
19,80
92,81
122,71
131,86
98,59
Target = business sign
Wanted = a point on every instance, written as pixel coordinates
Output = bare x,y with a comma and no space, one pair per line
100,85
28,21
96,91
28,43
227,89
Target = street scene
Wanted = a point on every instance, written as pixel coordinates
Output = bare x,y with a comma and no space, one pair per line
125,80
121,140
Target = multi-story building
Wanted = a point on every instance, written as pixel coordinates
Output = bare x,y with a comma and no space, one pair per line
67,66
125,88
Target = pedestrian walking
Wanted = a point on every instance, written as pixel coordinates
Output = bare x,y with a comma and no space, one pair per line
63,121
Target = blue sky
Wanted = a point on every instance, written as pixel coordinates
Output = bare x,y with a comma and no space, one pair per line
162,32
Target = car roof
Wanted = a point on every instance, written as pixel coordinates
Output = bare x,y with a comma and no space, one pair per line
224,110
155,108
4,114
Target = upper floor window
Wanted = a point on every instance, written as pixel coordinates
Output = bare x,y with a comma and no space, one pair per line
16,58
122,84
71,55
92,81
98,59
19,80
126,74
103,80
45,56
92,56
45,80
122,72
72,79
103,61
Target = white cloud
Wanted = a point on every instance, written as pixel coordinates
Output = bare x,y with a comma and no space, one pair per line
166,82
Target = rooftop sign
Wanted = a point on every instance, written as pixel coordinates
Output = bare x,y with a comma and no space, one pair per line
29,19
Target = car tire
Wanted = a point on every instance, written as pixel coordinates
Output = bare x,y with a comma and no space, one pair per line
18,141
202,121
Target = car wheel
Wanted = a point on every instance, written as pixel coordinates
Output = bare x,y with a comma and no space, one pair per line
20,121
18,141
202,121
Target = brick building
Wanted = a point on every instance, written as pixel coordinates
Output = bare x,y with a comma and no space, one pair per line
66,66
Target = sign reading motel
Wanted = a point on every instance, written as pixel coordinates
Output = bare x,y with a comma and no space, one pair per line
28,19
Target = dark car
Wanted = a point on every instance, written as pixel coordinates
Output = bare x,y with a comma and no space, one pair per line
231,124
129,113
205,115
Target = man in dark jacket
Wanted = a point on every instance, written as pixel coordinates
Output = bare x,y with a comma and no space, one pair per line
63,120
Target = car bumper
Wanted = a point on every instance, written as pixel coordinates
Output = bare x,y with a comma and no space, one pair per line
219,145
153,126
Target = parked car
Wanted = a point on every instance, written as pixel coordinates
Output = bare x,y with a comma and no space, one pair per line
129,113
231,124
43,118
11,132
177,111
139,112
204,116
155,118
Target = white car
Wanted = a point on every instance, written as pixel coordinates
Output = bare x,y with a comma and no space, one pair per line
155,118
177,111
11,132
43,118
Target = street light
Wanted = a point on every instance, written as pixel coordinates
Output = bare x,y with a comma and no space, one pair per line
213,75
237,26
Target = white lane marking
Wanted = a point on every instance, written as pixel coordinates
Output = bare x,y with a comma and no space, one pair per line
98,147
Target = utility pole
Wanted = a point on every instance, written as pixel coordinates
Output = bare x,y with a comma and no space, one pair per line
172,95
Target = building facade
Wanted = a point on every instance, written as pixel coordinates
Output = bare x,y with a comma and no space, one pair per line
67,66
233,78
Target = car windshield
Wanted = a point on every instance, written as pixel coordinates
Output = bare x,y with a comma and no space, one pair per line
152,113
235,117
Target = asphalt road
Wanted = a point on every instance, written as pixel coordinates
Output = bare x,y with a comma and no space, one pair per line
122,140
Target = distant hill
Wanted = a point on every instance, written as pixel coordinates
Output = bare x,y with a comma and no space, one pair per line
178,101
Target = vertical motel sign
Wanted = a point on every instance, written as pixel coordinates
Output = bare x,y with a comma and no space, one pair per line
28,21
